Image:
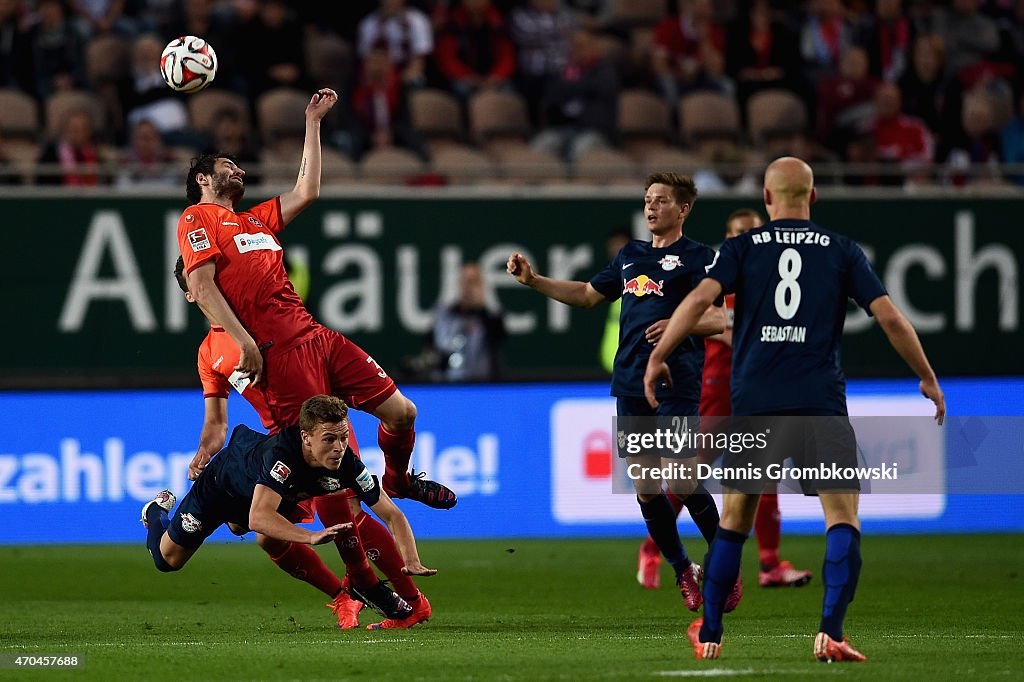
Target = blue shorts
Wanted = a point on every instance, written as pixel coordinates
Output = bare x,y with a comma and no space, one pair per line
635,415
632,406
203,510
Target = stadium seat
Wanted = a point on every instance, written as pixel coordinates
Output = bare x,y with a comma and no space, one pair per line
704,115
282,113
435,114
774,114
19,115
107,59
20,157
644,122
281,163
463,165
60,104
670,159
630,13
497,115
203,108
605,166
519,164
328,61
391,166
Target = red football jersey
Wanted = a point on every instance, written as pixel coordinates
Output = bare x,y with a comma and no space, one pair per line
717,355
218,356
250,270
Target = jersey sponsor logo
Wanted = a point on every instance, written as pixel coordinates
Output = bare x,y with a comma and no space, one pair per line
280,471
329,483
260,241
254,221
365,481
216,364
771,333
642,286
198,240
671,262
230,222
190,524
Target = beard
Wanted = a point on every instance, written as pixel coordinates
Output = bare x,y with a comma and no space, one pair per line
224,186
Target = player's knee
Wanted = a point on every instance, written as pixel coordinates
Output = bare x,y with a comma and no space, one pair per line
165,566
402,417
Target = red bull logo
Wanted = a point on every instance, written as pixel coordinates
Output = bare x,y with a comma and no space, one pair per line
642,286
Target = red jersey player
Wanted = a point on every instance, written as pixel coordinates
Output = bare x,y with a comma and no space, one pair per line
715,402
235,271
218,355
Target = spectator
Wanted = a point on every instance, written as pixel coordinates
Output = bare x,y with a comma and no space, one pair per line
845,100
921,85
145,96
474,50
888,36
74,151
824,37
15,56
593,15
465,343
688,51
900,139
380,109
541,32
969,36
279,58
231,136
973,153
97,17
405,33
761,53
147,161
1013,138
58,50
581,104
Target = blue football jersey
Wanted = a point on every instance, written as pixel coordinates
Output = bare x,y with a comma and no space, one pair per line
792,280
652,282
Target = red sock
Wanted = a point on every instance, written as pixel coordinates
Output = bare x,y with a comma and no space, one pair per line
300,561
334,509
380,546
768,527
397,449
650,546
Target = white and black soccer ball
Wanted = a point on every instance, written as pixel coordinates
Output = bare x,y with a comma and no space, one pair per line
188,64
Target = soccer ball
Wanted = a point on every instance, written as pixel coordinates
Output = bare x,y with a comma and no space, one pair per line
188,64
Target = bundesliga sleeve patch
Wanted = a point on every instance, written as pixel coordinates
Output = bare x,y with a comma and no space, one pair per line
365,480
198,240
280,471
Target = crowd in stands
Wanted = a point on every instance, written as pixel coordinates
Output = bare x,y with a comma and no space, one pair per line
896,92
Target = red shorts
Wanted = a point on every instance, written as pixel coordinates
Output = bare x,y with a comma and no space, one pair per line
714,397
327,363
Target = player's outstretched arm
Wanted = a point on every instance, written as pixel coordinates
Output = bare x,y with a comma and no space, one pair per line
682,323
212,437
263,518
578,294
904,339
402,532
208,296
307,184
712,322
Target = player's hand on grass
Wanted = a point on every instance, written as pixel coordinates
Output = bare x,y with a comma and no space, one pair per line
328,534
654,332
322,101
520,268
655,374
418,569
198,463
930,389
250,362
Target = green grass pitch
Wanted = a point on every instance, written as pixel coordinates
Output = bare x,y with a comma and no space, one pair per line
928,607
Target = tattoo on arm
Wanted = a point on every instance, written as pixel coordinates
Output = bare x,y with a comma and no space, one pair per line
302,171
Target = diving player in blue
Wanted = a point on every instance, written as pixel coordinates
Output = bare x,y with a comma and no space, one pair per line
257,480
652,278
792,280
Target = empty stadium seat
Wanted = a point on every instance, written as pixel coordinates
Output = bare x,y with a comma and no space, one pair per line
773,114
704,115
62,103
203,107
282,113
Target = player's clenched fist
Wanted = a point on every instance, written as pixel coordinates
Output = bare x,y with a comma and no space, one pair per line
520,268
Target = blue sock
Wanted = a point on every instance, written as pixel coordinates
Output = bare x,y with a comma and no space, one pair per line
703,511
156,519
661,524
840,574
721,568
